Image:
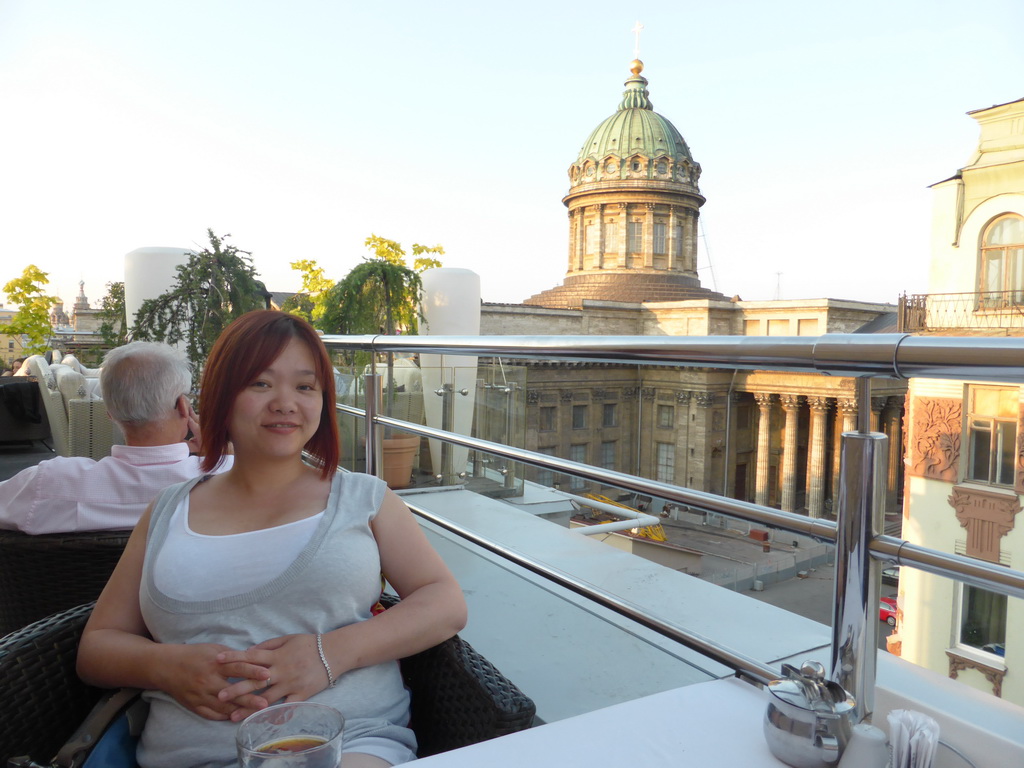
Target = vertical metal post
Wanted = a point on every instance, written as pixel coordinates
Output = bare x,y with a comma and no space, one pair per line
862,486
447,423
372,383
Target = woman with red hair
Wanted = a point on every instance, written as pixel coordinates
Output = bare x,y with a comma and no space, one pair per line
255,586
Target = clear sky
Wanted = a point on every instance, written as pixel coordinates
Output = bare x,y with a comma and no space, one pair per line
300,128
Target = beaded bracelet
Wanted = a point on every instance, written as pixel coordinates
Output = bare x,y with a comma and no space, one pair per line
320,649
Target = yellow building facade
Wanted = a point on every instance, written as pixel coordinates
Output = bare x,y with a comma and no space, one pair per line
965,442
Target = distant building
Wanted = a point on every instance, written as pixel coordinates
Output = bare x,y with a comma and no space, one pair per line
773,438
84,319
80,331
965,443
12,346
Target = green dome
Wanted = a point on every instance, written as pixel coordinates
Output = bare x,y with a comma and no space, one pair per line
635,143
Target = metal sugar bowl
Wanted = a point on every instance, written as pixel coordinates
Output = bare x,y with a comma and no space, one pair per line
809,719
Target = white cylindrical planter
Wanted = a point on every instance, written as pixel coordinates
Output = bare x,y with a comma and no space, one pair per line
148,273
451,307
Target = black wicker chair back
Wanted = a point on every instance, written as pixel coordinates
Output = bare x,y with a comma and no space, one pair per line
458,697
41,575
43,701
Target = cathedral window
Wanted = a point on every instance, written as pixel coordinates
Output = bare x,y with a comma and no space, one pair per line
609,415
546,477
666,416
635,232
677,241
611,237
608,454
592,237
665,472
659,237
579,417
547,418
577,453
1002,262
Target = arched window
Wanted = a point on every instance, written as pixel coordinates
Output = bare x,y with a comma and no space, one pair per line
1002,262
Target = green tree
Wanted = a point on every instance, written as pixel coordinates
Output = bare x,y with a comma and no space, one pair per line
301,305
216,285
381,294
114,325
309,303
32,319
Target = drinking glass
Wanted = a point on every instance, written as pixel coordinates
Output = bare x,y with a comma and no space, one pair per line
301,734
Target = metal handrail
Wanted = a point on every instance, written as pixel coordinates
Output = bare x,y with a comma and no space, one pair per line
861,545
886,549
876,355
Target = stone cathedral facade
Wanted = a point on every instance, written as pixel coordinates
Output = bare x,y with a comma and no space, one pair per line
633,206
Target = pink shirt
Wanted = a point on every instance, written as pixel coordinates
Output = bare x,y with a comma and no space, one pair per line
70,493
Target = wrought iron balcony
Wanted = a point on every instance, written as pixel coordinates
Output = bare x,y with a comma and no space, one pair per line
949,313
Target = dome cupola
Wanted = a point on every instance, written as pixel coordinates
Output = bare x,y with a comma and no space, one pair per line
633,207
635,143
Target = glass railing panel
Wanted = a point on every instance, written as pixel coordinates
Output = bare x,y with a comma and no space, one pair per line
499,417
960,465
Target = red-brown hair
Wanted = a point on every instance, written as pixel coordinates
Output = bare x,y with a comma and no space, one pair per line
242,352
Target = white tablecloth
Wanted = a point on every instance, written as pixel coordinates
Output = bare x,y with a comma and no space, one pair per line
717,724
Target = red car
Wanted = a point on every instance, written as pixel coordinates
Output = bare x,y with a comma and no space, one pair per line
887,610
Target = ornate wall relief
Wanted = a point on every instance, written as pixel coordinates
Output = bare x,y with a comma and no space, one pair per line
993,675
935,438
1018,477
987,516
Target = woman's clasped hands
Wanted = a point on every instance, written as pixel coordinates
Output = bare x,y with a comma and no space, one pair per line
284,668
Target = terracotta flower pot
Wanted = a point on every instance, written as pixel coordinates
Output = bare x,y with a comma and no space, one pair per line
399,456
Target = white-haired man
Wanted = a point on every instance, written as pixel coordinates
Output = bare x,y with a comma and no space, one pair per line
145,388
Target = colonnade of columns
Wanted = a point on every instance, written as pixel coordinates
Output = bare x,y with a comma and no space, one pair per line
820,466
590,247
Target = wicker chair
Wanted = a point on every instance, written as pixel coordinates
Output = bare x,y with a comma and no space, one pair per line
78,422
47,573
458,697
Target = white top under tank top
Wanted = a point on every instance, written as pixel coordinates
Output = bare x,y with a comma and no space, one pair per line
233,563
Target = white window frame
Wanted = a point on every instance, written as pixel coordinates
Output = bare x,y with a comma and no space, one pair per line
1001,268
665,466
660,238
611,409
661,411
582,410
611,237
1002,438
635,234
609,450
577,453
957,629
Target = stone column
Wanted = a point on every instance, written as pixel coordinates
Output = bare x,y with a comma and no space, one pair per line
599,255
649,235
688,253
891,423
877,404
816,457
578,240
762,482
670,238
846,421
791,407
